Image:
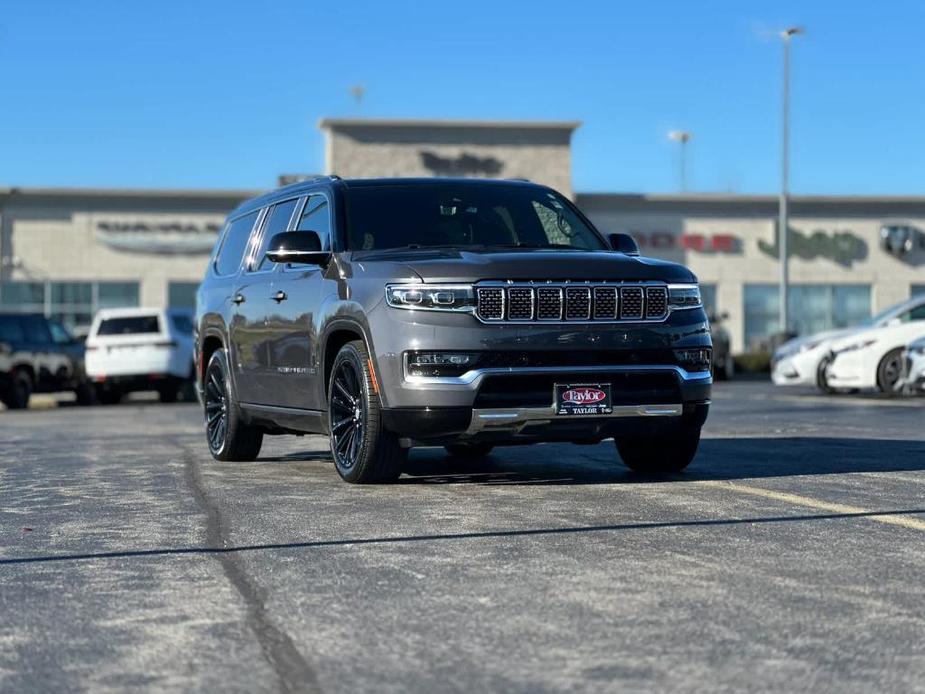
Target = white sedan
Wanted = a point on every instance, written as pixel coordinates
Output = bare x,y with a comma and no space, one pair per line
804,361
873,358
915,365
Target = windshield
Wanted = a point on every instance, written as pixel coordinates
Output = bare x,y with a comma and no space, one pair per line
895,311
463,215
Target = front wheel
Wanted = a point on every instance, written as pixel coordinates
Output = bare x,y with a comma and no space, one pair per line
364,451
17,398
228,435
890,372
659,454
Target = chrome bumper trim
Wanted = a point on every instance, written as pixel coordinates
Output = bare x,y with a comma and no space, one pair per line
508,419
475,376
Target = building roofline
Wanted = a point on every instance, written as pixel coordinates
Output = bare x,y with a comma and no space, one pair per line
189,193
329,123
694,198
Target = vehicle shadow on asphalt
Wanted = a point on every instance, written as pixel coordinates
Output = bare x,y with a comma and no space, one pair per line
717,459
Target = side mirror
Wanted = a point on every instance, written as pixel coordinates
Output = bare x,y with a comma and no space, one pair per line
303,247
623,243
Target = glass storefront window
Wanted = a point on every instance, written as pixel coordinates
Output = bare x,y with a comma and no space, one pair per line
813,308
72,303
916,290
182,294
708,297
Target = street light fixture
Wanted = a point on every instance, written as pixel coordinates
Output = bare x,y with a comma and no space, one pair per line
682,136
782,222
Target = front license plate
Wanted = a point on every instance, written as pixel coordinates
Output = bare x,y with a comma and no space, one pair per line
583,399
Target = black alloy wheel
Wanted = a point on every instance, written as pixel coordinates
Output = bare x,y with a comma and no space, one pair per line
216,404
348,414
364,451
229,435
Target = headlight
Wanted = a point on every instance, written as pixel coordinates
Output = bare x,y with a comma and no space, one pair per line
856,346
806,346
682,296
431,297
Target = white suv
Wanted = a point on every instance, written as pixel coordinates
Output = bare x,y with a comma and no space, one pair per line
135,349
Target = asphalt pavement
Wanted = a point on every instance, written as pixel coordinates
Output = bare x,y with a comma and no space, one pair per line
788,557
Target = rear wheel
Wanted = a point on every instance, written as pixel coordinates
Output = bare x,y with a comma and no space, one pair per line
469,451
168,393
890,372
109,396
85,394
659,454
364,451
228,435
20,390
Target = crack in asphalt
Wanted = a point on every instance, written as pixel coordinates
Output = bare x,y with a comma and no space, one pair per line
294,672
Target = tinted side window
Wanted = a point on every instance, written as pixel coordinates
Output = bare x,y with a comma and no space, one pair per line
36,329
916,314
11,329
229,257
278,222
317,217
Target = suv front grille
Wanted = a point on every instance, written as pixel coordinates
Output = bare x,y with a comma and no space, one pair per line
583,302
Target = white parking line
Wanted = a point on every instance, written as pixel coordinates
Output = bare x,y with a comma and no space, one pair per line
799,500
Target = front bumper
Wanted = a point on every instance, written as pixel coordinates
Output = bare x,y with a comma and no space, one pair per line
799,369
657,410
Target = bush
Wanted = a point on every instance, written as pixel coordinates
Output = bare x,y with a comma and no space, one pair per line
753,362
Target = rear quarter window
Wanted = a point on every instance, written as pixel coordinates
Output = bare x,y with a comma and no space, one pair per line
129,325
233,245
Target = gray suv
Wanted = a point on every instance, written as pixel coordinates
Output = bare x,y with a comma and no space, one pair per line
392,313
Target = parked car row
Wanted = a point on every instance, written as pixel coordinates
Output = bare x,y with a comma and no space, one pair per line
126,350
885,353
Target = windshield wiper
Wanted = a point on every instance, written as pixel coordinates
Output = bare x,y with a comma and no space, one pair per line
424,247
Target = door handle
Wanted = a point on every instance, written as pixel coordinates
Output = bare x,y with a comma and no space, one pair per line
239,299
279,296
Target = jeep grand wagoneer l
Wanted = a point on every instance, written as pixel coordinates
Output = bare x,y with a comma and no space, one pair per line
469,314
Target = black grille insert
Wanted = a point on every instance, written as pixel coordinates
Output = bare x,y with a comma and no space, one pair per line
656,302
577,303
520,303
631,302
491,303
549,303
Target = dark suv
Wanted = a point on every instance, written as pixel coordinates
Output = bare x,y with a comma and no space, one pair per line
391,313
39,355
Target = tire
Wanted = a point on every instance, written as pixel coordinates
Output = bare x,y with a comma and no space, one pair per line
85,394
822,381
20,390
469,451
109,396
659,454
890,371
228,436
364,451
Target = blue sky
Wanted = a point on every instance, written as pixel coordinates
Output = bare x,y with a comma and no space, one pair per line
228,94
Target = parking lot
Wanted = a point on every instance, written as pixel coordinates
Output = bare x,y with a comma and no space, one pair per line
790,556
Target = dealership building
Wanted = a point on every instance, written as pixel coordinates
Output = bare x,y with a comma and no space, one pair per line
70,252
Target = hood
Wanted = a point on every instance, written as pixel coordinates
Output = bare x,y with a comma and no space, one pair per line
893,335
448,265
814,340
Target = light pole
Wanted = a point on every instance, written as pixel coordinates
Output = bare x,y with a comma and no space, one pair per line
682,136
782,223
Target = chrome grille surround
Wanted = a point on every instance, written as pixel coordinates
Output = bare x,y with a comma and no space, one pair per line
532,302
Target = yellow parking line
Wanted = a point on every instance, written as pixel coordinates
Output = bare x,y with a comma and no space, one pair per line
905,522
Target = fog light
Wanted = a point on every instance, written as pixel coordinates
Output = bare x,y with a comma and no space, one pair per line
695,359
440,363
